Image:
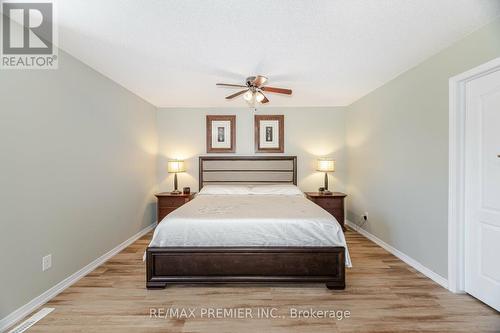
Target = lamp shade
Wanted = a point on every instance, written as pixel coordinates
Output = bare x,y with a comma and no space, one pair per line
248,96
259,97
326,165
175,166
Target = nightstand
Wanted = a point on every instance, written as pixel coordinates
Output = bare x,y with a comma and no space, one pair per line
333,203
168,202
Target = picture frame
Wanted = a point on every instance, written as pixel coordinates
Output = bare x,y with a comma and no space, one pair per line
269,133
221,133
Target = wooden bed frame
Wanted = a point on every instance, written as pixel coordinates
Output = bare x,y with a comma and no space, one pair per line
165,265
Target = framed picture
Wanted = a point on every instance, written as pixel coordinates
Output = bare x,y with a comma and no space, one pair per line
269,134
221,134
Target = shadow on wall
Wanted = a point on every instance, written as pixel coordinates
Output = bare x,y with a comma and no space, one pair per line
357,206
150,213
355,200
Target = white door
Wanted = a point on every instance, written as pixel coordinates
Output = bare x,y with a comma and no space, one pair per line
482,186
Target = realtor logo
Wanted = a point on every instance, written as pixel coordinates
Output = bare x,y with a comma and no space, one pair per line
28,36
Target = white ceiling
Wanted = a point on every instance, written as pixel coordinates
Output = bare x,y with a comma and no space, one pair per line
330,52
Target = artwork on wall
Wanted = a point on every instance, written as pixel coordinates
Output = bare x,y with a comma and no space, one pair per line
269,134
221,134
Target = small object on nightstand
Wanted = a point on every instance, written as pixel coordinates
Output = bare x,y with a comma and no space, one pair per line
332,203
168,202
186,190
175,167
326,165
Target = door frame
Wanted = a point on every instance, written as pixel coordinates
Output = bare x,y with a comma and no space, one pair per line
456,176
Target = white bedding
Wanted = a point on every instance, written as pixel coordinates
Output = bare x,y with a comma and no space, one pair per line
249,220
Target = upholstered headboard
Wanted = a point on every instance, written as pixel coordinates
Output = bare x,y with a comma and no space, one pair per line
247,170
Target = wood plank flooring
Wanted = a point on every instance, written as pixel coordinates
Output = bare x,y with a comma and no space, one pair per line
383,294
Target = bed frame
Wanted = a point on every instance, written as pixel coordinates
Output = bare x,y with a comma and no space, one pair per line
165,265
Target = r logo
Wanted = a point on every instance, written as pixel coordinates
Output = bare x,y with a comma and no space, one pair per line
27,28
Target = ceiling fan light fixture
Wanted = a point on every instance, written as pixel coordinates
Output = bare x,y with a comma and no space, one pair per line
254,90
248,96
259,97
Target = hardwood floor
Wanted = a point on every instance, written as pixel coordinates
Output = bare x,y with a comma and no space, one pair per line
383,294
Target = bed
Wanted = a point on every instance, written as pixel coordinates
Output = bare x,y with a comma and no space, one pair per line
248,224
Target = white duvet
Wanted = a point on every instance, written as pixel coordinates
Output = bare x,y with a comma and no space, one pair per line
249,220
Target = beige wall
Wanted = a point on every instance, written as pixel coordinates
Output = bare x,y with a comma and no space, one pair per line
309,133
78,170
397,138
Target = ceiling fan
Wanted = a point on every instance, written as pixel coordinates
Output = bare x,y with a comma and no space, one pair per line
254,89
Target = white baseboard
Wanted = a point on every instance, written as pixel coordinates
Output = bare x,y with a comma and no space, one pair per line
410,261
38,301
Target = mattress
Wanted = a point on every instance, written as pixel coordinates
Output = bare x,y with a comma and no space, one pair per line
249,220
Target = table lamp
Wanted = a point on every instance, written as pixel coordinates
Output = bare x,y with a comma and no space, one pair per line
175,167
326,165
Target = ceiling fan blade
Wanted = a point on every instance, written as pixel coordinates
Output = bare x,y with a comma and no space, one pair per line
265,100
259,81
231,85
237,94
277,90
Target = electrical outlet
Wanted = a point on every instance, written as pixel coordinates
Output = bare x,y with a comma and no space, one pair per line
365,216
46,262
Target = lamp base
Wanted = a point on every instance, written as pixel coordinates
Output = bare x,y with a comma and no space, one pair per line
326,191
175,191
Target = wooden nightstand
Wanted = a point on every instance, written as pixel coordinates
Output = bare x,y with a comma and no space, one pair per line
168,202
333,203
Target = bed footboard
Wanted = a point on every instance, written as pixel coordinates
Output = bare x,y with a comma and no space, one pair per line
166,265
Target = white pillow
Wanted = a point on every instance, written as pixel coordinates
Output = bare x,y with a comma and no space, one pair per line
225,190
276,189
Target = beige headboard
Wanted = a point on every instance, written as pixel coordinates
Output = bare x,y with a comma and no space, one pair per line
247,170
